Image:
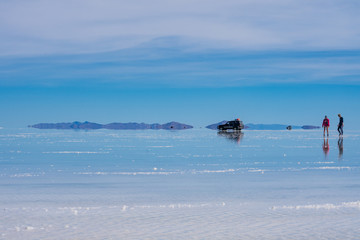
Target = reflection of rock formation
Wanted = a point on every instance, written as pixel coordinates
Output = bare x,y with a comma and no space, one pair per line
341,147
326,147
235,136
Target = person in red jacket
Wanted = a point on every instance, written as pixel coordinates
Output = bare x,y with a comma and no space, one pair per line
326,125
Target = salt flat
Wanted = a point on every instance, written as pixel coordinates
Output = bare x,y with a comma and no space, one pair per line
193,184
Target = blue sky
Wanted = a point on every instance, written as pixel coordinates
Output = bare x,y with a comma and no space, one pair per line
197,62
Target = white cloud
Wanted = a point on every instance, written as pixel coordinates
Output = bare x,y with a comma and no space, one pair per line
70,26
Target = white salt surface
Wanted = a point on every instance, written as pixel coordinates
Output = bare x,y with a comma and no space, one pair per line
192,184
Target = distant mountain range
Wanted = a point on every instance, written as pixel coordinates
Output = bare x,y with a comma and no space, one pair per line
167,126
251,126
119,126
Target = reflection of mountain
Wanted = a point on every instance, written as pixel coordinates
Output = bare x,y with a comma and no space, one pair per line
233,136
309,127
117,126
251,126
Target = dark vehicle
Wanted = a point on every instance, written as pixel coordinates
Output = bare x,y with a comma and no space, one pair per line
232,125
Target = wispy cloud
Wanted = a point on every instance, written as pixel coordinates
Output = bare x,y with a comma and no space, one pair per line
168,67
76,26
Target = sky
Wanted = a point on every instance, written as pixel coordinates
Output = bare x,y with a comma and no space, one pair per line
197,62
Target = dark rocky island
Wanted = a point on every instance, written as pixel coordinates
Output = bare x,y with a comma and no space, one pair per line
117,126
251,126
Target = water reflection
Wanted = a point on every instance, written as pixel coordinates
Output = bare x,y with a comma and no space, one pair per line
233,136
341,147
326,147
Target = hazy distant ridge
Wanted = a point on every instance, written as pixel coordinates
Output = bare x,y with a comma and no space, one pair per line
118,126
251,126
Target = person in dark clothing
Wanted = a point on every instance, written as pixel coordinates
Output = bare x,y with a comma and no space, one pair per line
326,125
340,125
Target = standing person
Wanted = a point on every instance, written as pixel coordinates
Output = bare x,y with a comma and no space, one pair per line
326,125
340,125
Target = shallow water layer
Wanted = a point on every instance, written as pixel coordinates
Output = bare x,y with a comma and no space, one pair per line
193,184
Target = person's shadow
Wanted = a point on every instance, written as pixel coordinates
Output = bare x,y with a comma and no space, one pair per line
326,147
341,147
